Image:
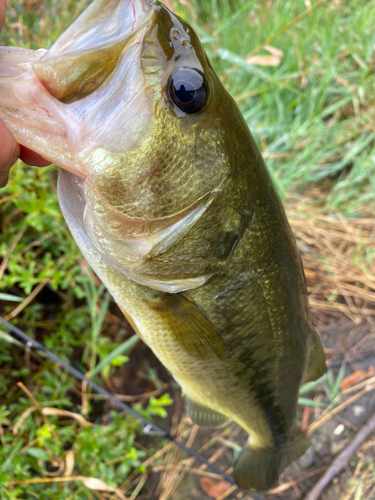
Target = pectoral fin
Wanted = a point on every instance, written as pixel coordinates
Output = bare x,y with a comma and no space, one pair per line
203,416
189,327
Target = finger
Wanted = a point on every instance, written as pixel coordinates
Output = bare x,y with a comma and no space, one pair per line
9,153
31,158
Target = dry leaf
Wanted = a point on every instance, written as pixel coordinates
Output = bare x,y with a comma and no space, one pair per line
214,489
352,379
69,463
355,377
97,484
273,60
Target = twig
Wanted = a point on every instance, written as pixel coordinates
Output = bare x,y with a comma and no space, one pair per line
229,491
342,459
286,486
90,482
46,421
138,488
328,414
5,261
136,397
27,301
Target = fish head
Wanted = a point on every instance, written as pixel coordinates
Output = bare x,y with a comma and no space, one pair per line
127,102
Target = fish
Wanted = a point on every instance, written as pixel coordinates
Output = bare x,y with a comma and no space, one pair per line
167,195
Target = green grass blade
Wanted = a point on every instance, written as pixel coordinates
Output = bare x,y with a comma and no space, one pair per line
312,386
121,349
234,16
10,298
311,402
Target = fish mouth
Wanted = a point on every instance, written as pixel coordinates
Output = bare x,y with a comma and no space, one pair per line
67,94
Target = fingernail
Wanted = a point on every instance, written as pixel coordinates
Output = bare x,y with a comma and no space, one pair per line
4,175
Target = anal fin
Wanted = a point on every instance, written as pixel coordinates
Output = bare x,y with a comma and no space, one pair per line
203,416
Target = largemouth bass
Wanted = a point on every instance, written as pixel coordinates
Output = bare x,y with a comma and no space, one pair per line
167,195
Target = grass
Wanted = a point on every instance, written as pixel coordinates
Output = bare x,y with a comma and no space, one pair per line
312,113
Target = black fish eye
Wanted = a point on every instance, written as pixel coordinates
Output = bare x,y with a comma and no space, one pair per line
188,90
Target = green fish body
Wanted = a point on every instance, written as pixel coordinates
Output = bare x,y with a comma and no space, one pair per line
167,195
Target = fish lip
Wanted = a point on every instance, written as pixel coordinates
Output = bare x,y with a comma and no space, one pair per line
93,45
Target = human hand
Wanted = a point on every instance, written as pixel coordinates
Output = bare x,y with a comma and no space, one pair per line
10,151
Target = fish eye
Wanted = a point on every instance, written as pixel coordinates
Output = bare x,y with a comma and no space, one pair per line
188,90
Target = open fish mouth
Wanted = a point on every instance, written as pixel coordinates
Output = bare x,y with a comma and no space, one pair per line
86,86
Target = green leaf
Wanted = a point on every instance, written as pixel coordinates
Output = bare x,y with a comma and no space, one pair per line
119,360
37,453
340,376
8,338
312,386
